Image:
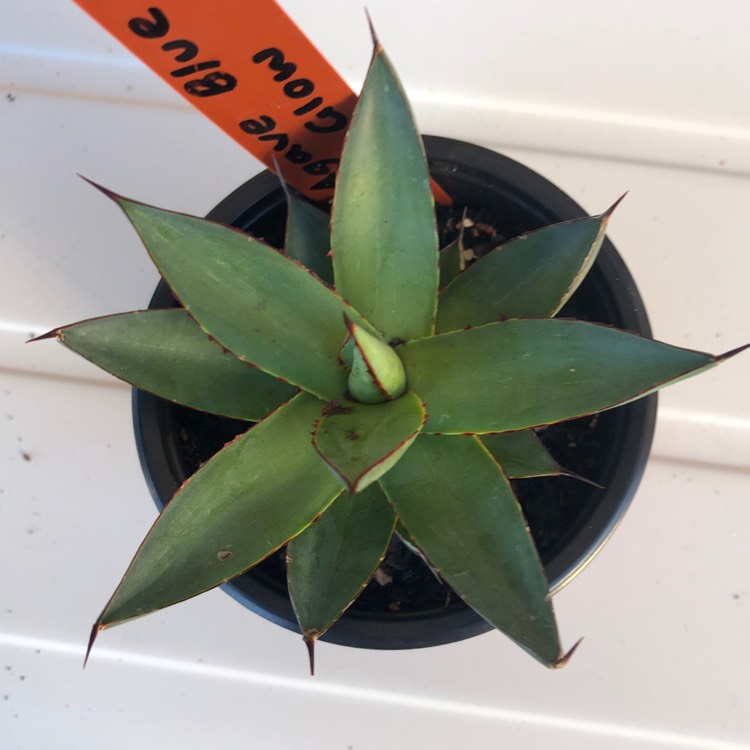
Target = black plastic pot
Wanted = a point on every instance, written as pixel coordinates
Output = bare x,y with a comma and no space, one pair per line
570,520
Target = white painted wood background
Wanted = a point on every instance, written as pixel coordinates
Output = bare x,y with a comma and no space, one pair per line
650,97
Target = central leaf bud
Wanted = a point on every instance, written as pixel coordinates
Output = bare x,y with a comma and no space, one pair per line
377,373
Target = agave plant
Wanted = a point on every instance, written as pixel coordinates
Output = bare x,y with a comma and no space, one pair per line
393,386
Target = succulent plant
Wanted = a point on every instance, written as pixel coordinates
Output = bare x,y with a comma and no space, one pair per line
393,385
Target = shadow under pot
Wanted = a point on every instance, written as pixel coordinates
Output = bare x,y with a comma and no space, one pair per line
570,520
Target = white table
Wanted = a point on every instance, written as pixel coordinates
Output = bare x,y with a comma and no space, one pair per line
649,97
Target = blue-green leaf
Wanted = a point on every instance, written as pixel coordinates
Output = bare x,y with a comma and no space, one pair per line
522,454
360,442
459,508
531,276
384,238
525,373
264,307
258,492
308,237
167,353
332,560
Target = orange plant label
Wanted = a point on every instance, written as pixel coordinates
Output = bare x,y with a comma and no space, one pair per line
248,67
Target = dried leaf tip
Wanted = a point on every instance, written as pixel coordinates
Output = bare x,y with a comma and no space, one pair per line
608,213
55,333
309,639
109,193
95,630
377,46
580,478
732,352
563,660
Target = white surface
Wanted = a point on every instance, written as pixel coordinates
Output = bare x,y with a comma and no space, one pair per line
649,97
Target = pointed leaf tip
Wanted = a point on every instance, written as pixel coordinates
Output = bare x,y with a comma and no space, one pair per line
377,46
386,269
237,490
580,478
95,630
530,276
536,356
732,352
109,193
310,639
565,658
54,333
502,577
332,560
123,345
522,455
608,213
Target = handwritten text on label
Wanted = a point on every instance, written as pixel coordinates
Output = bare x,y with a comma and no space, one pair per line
327,119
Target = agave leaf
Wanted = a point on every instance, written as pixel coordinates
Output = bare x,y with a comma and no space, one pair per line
167,353
525,373
384,238
360,442
460,509
308,237
377,373
332,560
258,492
264,307
522,455
450,262
531,276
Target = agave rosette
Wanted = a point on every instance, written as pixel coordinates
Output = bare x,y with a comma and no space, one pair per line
389,385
